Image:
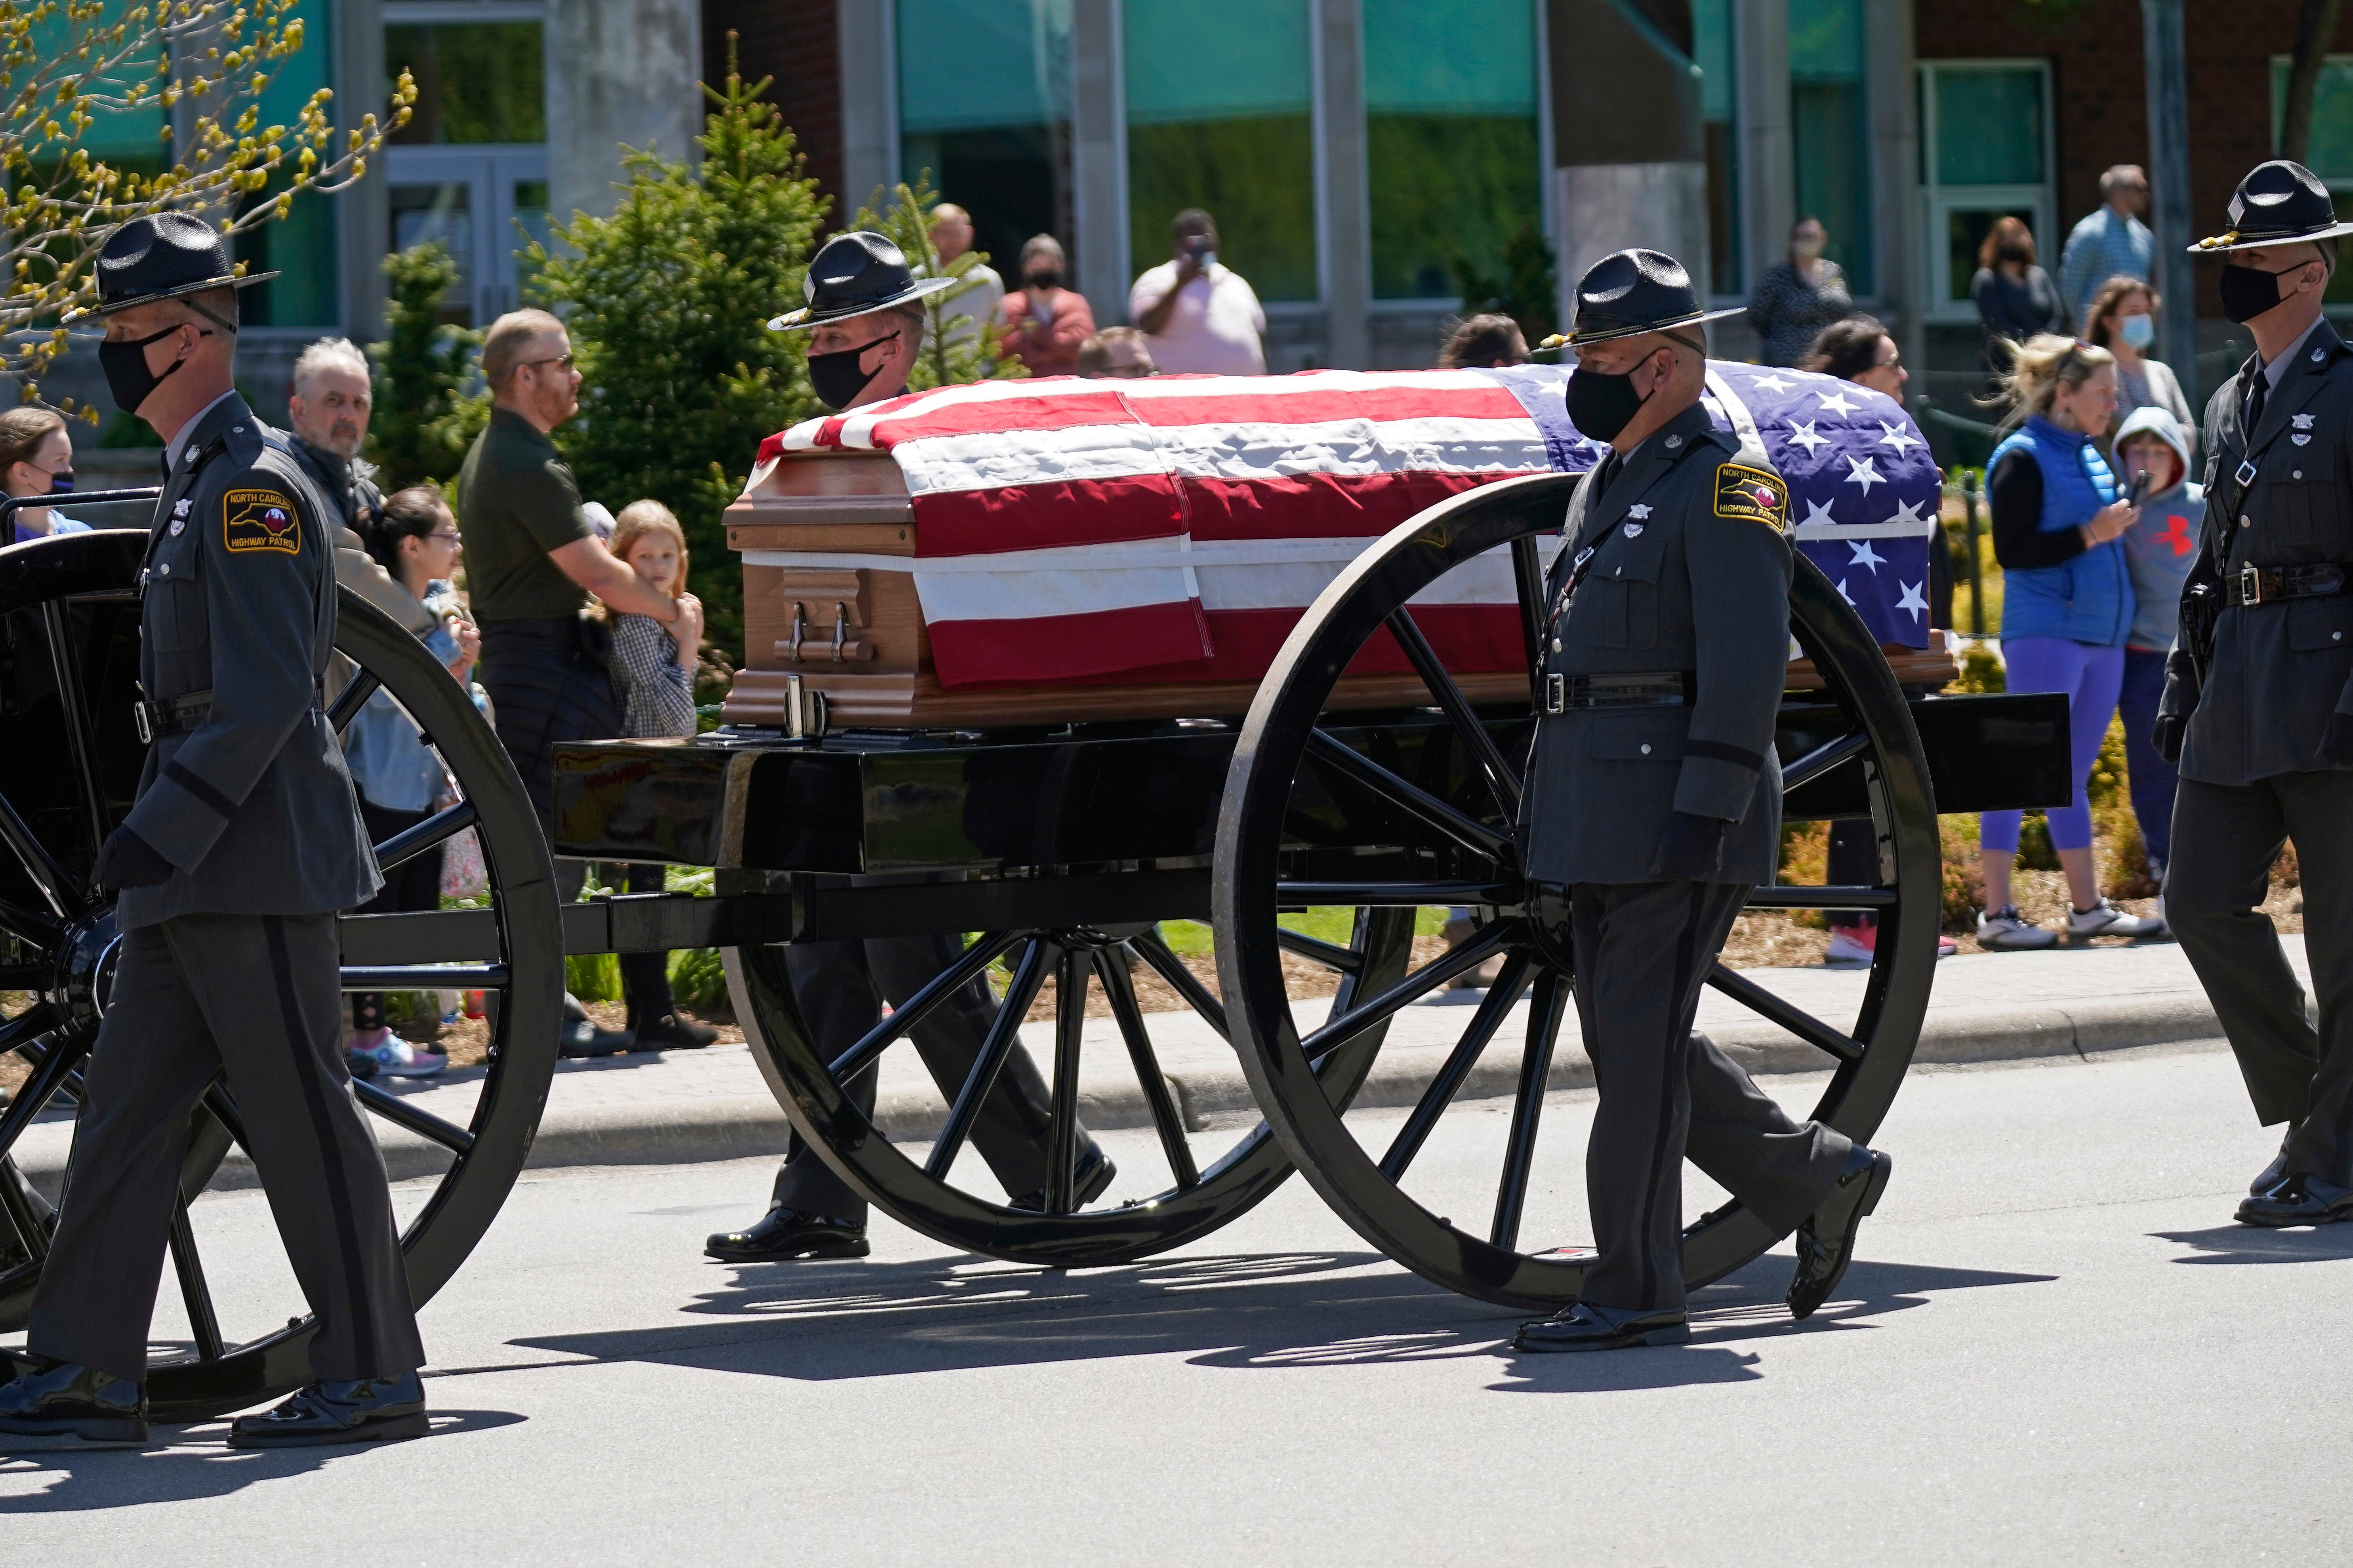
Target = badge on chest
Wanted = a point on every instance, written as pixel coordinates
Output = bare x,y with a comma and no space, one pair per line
259,519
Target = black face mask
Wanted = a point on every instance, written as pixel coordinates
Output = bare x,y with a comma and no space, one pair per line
2012,253
1043,279
2248,291
1601,405
128,380
836,377
61,483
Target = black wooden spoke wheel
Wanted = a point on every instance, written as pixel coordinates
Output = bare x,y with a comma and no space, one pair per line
1307,796
939,1187
68,661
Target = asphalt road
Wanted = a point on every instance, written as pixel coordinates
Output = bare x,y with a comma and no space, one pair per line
2058,1348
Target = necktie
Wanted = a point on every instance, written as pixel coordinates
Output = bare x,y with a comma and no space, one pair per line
2255,401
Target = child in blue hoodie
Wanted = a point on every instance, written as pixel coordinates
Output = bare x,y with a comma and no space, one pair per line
2160,547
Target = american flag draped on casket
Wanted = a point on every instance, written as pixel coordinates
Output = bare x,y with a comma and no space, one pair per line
1171,530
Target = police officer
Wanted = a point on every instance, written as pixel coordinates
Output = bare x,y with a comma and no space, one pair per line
865,317
244,840
1654,806
2259,693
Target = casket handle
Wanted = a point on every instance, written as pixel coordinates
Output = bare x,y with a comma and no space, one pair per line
844,650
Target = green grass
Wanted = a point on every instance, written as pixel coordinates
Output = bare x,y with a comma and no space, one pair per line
1334,924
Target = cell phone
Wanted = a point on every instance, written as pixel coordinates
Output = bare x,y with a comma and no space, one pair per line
2138,490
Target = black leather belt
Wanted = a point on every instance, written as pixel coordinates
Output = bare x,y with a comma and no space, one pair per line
178,717
2266,585
1666,688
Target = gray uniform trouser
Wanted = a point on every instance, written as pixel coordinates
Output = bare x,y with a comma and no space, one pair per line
840,987
1643,949
2225,838
258,995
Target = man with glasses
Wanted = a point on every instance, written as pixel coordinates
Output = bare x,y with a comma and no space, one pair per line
1117,354
532,561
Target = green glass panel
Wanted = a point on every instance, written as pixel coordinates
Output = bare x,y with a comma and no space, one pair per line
1826,40
1450,139
967,65
477,82
300,247
1712,51
2329,153
1831,139
126,139
1989,127
1218,118
1711,28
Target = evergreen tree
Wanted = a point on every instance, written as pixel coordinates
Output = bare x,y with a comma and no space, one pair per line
668,302
423,424
1528,291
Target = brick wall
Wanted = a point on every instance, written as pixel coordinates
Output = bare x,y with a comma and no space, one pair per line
798,43
2097,87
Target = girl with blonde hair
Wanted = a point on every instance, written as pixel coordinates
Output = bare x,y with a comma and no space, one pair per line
2067,606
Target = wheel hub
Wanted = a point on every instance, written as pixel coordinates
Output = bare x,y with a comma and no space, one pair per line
87,956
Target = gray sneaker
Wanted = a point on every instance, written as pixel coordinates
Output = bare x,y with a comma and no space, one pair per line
2006,931
2103,919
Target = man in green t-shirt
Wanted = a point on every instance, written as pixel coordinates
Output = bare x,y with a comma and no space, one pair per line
531,561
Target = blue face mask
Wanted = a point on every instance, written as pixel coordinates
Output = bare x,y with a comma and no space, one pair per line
2138,332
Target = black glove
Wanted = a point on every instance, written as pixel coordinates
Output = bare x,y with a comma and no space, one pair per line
127,860
2336,746
2167,736
1691,849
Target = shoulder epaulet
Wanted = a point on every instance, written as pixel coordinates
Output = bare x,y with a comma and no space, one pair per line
1753,495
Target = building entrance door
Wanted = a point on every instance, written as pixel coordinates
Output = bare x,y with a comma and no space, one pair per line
485,205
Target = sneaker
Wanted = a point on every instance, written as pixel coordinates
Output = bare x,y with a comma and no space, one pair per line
2005,929
1946,947
397,1058
2103,919
1853,944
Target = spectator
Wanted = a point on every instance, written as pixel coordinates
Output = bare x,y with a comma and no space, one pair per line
36,459
2123,321
1798,296
1045,323
2016,299
2159,548
1201,316
1859,349
399,781
653,672
534,561
961,316
1484,342
329,410
2067,609
1118,354
2111,243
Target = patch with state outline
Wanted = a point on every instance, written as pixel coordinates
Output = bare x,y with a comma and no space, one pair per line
1753,495
259,519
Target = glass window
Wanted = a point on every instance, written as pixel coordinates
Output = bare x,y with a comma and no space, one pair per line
1989,127
985,108
2328,149
1985,154
1450,139
1720,100
1830,129
302,245
443,211
475,82
1219,116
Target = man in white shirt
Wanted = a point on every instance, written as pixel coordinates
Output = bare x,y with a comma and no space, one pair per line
961,316
1201,317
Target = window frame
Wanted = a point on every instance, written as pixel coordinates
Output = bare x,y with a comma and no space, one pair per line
1938,201
2336,310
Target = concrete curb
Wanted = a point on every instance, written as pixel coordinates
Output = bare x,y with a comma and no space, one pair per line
655,1132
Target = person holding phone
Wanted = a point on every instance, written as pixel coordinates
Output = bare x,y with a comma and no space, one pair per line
1201,317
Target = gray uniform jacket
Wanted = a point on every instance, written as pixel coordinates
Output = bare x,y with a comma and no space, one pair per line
2279,670
252,806
1693,581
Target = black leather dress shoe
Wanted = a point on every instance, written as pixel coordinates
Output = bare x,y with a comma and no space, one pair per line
668,1031
1584,1327
582,1037
363,1410
63,1406
1094,1175
785,1234
2298,1200
1826,1240
2274,1173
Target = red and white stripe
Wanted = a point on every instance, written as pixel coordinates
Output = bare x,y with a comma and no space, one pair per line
1174,529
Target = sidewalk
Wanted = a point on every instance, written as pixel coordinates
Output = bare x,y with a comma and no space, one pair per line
715,1104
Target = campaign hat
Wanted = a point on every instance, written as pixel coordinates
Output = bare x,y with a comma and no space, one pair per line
1630,292
164,256
2280,202
856,274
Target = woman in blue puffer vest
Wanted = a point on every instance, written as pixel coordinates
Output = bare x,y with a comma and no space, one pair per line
2067,607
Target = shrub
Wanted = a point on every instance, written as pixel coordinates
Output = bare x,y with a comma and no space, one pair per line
424,421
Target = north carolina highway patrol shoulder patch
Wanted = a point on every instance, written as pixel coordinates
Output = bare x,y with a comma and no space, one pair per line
259,519
1755,495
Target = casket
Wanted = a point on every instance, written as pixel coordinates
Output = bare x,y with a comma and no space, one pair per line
1048,551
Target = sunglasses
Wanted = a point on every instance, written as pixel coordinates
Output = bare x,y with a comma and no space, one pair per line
565,360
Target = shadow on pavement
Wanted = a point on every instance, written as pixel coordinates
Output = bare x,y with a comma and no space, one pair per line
183,1465
833,1321
2253,1244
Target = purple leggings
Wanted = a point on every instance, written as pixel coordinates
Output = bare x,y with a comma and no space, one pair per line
2091,676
